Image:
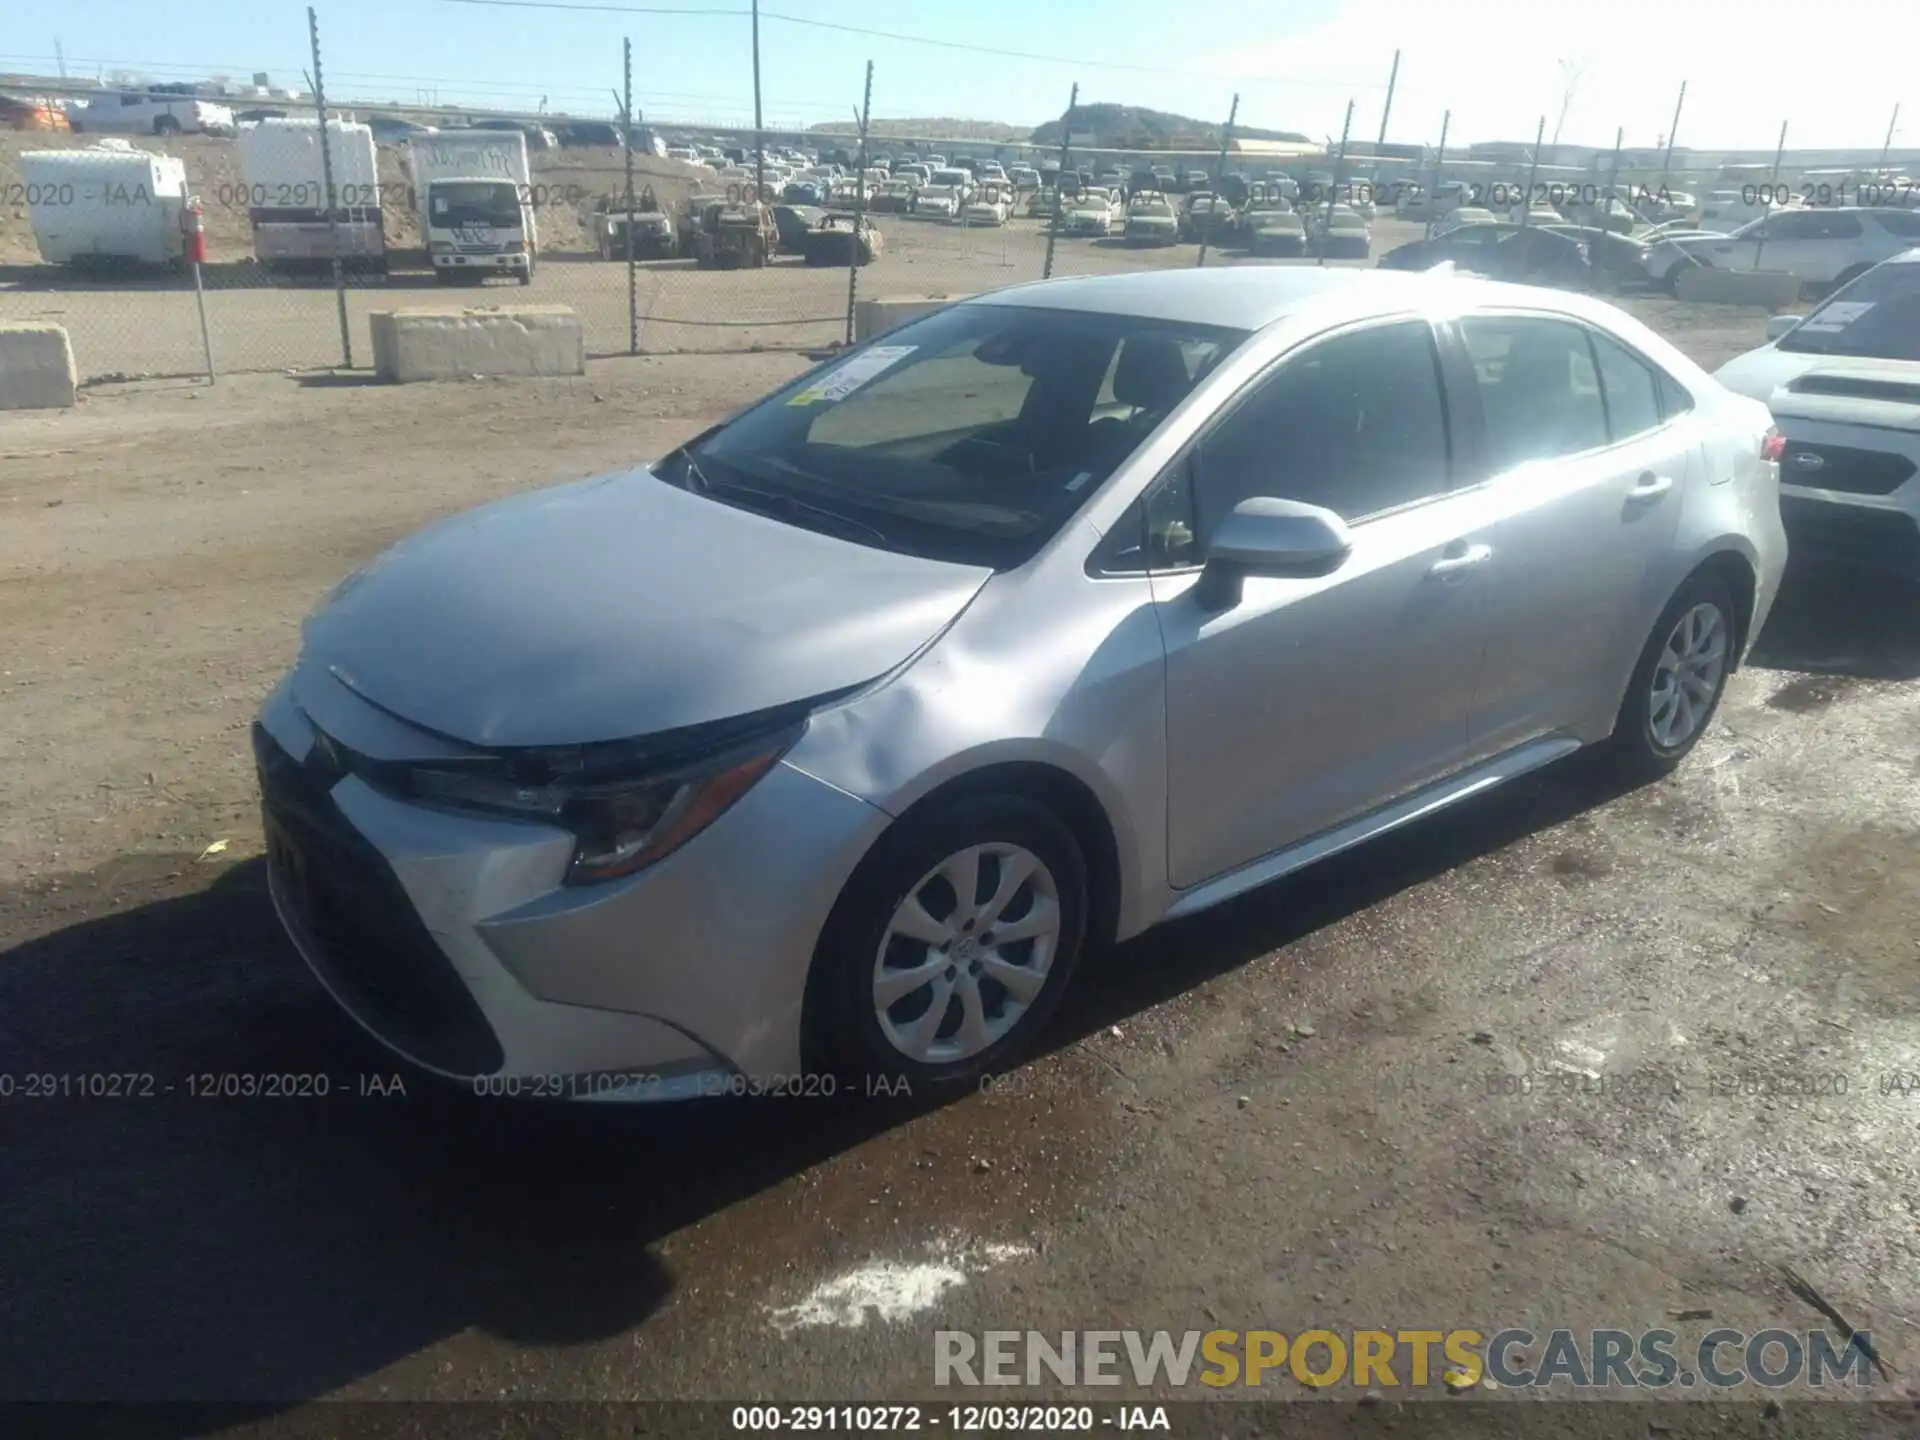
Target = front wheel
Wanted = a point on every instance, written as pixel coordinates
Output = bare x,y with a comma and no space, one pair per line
952,944
1679,682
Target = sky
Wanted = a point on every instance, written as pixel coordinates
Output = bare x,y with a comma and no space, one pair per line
1499,69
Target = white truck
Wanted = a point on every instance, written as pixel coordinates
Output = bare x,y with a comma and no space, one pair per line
476,199
105,204
162,110
283,189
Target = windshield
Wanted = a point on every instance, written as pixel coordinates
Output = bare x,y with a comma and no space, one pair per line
461,205
1876,317
970,435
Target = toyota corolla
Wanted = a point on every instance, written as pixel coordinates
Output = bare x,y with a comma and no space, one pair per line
834,740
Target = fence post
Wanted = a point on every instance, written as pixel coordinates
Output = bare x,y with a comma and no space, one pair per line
1060,180
1333,192
326,170
626,129
859,204
1439,168
1219,174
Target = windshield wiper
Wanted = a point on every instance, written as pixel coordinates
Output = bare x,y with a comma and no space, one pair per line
774,501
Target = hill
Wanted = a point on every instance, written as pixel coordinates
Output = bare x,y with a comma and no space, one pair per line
1132,127
988,130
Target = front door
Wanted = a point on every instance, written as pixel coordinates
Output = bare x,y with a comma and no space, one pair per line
1314,699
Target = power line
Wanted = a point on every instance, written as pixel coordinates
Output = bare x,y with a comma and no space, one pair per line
928,40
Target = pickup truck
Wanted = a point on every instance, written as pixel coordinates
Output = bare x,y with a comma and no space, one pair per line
141,112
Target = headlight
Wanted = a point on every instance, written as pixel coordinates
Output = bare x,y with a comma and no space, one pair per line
621,822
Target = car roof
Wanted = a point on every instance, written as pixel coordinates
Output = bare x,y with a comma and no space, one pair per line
1248,297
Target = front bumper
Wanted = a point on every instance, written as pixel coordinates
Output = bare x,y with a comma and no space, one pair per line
510,264
451,938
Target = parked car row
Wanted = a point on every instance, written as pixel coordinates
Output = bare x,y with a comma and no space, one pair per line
1822,247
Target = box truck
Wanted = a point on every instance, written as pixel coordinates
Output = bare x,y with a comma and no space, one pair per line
475,197
105,204
283,188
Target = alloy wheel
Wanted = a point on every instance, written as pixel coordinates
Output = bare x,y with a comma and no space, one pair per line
1688,675
966,953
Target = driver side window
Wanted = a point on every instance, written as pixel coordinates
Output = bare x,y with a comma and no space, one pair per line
1356,424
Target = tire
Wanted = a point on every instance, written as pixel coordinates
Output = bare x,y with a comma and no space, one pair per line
1642,746
1671,281
165,125
851,1033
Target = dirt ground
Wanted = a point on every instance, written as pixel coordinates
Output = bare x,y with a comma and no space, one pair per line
1300,1109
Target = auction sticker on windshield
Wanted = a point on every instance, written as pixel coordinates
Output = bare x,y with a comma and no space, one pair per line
843,380
1837,316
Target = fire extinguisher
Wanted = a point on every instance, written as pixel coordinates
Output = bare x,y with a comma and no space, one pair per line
193,226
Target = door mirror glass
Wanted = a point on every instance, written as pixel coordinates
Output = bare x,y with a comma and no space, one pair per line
1781,325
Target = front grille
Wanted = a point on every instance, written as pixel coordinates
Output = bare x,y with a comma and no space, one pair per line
1879,539
1841,467
367,941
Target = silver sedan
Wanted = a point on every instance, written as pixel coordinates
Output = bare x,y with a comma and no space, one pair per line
828,745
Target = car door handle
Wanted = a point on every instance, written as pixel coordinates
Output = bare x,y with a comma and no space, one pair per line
1650,487
1467,559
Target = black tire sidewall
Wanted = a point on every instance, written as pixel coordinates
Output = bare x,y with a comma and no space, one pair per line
846,1035
1633,734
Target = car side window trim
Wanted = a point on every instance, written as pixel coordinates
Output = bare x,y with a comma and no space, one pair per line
1180,464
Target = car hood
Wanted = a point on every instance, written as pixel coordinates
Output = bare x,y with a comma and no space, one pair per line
620,607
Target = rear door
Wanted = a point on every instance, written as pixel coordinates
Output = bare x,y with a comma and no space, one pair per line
1588,474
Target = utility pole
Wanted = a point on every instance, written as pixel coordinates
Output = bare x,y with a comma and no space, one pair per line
1339,169
1219,174
859,204
1439,163
61,56
1393,78
759,136
1060,180
1887,144
1673,131
1773,190
1533,172
1574,72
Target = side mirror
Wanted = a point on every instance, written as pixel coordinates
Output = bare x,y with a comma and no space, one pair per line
1779,325
1267,536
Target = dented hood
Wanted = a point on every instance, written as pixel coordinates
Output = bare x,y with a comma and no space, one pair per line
617,608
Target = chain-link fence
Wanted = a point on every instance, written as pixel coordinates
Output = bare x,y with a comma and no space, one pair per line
638,243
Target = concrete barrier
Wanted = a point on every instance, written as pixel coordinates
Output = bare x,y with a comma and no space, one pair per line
1769,288
36,366
450,342
889,312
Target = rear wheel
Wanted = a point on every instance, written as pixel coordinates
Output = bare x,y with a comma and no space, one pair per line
165,125
952,944
1681,677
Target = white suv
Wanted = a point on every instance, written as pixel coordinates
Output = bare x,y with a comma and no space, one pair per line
1844,388
1821,246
